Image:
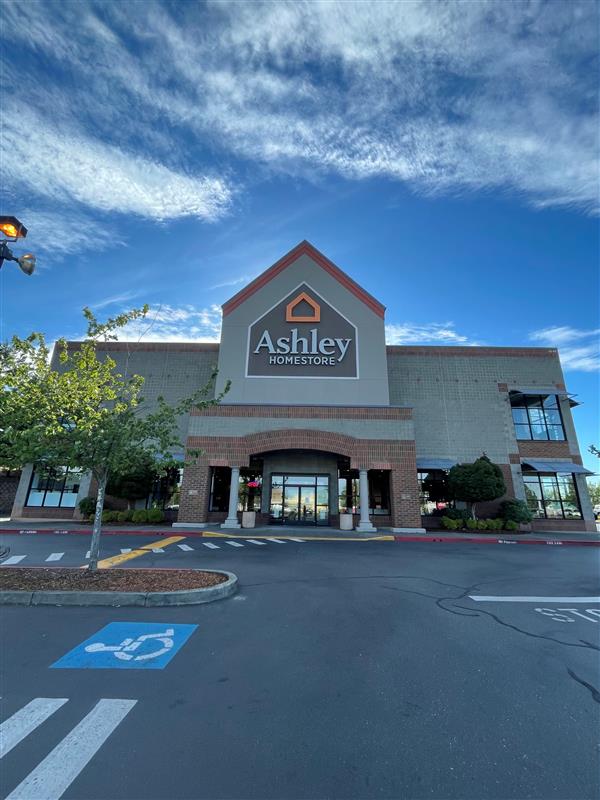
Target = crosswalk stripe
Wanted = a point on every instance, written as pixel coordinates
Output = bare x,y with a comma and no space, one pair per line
125,550
235,544
55,557
53,776
25,720
13,560
279,541
211,545
255,541
157,550
184,547
296,540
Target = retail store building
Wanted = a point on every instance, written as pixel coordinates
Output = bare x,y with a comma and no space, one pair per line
322,416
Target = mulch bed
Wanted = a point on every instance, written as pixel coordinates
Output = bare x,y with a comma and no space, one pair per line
106,580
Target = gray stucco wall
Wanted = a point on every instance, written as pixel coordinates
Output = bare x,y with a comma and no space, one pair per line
370,388
458,411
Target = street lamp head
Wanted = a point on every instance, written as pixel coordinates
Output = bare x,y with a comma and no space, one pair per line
12,228
27,263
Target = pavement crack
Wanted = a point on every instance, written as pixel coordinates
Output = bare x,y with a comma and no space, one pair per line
594,692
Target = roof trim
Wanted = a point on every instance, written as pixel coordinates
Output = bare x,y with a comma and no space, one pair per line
304,248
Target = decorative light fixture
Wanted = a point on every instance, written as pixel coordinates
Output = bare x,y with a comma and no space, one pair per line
13,229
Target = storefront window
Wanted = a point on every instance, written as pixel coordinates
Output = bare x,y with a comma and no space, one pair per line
433,492
537,417
219,489
54,488
552,495
349,492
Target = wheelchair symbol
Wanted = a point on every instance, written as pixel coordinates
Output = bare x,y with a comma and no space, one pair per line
128,646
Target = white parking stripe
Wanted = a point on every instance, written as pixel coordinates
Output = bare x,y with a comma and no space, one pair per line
157,550
211,545
55,557
126,550
13,560
297,540
235,544
490,598
26,719
53,776
184,547
255,541
279,541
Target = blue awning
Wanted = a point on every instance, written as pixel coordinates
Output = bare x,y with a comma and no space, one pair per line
556,466
436,463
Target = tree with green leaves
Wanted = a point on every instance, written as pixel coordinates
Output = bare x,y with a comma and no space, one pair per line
86,414
134,485
475,483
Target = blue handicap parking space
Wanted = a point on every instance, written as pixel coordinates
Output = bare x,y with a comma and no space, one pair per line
128,645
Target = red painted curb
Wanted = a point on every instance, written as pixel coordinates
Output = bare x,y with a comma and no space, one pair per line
105,532
494,540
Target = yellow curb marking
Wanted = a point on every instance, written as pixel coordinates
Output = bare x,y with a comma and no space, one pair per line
140,551
214,535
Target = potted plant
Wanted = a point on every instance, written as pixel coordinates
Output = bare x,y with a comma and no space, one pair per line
346,521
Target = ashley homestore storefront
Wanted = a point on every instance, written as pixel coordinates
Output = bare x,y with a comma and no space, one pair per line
322,416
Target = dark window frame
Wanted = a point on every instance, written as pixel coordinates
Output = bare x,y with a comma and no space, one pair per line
46,480
529,475
537,402
423,496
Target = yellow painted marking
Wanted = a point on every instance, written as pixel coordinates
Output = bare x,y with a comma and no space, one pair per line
215,535
113,561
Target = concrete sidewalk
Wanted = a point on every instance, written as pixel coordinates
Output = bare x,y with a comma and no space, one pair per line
300,532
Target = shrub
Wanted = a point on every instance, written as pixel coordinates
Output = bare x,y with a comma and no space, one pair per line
515,511
511,525
451,524
121,516
494,524
127,514
109,516
156,515
482,525
472,524
140,515
461,514
87,506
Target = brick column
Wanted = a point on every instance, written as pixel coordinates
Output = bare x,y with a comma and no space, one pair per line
195,493
406,511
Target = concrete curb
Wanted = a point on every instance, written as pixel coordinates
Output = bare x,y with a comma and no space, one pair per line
184,597
495,540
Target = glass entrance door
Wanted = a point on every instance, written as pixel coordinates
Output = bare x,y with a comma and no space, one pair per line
300,499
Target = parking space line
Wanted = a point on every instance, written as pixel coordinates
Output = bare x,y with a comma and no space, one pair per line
279,541
13,560
88,554
53,776
211,545
157,550
25,720
489,598
55,557
252,541
184,547
234,544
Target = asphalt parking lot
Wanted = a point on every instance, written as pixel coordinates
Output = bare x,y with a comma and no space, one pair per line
340,670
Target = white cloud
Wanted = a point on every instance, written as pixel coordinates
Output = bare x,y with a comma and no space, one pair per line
232,282
167,323
447,97
433,332
53,235
579,349
116,300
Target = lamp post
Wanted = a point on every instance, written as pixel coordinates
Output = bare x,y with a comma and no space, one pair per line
14,230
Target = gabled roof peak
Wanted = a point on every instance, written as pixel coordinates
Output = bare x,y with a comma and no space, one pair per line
304,248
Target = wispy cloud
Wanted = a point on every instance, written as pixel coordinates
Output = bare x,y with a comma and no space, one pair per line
232,282
446,97
579,350
167,323
117,299
430,333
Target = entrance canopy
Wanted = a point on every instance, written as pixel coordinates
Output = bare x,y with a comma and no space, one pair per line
556,466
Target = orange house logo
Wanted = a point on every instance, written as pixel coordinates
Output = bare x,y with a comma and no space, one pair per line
291,307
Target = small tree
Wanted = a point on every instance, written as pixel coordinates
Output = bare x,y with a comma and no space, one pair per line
134,485
475,483
85,414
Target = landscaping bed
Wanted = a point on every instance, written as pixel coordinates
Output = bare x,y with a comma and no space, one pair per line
106,580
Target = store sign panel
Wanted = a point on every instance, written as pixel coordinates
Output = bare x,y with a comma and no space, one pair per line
302,337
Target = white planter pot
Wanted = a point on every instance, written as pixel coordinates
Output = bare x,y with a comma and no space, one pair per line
248,519
346,521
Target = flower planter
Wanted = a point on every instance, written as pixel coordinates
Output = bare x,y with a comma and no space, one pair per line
346,522
248,519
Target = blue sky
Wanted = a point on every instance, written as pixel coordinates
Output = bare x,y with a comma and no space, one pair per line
444,154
